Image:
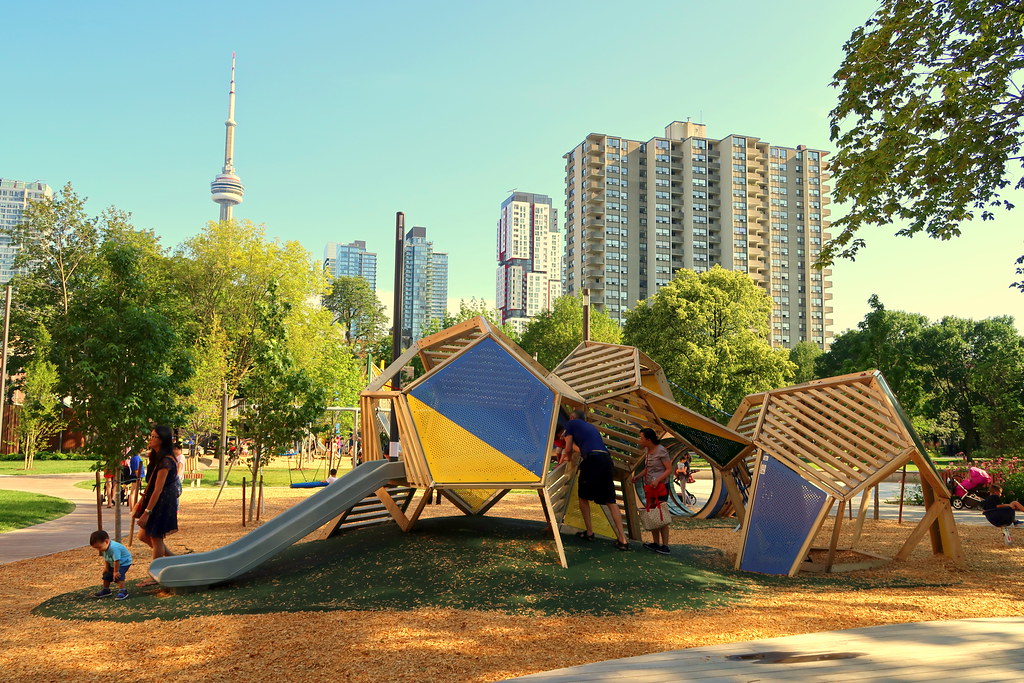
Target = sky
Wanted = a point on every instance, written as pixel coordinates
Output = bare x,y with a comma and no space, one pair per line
349,112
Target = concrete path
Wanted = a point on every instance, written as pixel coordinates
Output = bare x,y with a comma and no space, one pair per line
967,651
67,532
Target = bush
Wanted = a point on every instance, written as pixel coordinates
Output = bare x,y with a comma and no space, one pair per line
48,455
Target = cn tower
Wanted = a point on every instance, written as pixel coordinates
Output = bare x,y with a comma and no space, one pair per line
226,188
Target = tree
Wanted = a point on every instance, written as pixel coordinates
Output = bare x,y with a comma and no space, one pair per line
127,361
709,332
803,356
928,118
357,309
58,244
224,273
552,335
974,371
281,402
885,340
206,386
41,410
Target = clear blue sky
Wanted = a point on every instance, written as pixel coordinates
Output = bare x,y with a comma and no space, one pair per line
348,112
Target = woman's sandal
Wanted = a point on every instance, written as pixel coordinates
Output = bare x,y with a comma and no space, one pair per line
585,536
621,546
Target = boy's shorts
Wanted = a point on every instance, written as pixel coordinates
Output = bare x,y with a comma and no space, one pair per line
108,575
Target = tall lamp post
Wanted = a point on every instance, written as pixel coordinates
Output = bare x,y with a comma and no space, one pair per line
396,326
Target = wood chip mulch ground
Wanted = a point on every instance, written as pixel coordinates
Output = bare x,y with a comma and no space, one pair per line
451,645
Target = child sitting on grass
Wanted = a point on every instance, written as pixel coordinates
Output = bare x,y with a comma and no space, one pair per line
116,561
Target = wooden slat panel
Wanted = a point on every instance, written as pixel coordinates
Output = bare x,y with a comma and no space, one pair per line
784,434
863,424
847,445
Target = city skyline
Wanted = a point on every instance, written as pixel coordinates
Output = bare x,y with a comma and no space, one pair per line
419,122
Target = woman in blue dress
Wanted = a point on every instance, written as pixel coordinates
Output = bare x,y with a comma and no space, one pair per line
157,511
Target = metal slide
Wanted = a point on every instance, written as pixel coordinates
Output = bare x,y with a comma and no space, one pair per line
258,546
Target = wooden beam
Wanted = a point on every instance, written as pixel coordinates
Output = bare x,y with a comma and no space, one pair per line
428,493
922,527
553,524
396,512
830,560
390,371
861,515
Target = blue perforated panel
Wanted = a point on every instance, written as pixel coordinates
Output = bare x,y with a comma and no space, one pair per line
782,514
488,393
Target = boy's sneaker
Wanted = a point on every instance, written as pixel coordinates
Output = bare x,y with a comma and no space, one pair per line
663,550
103,593
1018,522
121,595
652,546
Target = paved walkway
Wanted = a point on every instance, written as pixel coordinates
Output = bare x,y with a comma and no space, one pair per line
967,651
67,532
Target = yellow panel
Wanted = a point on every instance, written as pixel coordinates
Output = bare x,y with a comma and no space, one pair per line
474,498
457,456
598,515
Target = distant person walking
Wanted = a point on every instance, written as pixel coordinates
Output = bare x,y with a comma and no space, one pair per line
596,477
157,511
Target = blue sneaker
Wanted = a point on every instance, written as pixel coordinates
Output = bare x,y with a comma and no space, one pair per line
1018,522
103,593
121,595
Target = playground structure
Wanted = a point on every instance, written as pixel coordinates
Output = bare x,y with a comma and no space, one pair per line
481,420
819,446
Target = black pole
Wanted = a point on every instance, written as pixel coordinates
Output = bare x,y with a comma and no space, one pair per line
396,326
586,314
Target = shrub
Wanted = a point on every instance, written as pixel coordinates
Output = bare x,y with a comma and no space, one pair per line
48,455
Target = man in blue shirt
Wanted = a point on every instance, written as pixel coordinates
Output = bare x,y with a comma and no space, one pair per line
596,474
116,561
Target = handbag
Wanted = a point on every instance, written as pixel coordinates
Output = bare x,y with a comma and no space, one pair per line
656,517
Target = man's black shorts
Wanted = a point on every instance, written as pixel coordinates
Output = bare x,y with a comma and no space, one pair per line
596,482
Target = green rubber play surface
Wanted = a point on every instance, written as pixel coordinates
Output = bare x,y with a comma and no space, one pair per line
467,563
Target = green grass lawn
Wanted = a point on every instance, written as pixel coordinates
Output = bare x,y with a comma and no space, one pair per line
480,563
276,474
46,467
19,509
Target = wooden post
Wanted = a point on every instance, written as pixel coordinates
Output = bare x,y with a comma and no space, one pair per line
876,503
835,538
243,501
99,502
259,503
903,487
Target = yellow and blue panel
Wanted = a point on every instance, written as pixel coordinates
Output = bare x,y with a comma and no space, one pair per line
483,418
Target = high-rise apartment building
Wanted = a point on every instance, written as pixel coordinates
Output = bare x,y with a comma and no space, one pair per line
636,212
529,276
425,288
351,260
15,195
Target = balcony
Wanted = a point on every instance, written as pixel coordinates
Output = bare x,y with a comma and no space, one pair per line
594,259
595,173
594,236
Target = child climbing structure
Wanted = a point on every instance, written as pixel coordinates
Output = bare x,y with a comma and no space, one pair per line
482,419
819,446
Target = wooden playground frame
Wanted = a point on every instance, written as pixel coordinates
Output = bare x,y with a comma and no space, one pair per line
844,435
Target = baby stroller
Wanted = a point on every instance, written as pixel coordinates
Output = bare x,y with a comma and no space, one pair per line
969,492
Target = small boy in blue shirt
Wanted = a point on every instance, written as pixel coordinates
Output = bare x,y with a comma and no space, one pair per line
116,562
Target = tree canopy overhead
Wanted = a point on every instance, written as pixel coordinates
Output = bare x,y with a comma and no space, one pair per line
928,122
